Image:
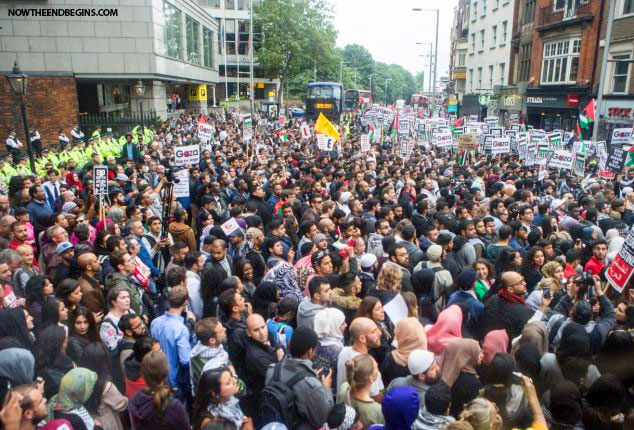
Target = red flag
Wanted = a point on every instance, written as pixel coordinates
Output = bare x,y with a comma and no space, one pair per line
589,111
202,119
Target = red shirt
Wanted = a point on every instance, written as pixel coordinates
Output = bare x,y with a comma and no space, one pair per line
594,265
569,272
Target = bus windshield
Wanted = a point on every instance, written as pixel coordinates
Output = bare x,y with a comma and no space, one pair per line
325,92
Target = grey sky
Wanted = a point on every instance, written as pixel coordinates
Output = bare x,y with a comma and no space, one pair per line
390,29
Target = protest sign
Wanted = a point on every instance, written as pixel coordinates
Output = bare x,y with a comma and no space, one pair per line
365,142
442,139
500,145
580,164
621,136
621,269
100,180
204,131
181,188
231,226
561,160
495,131
467,142
282,121
305,129
186,154
616,159
487,143
403,126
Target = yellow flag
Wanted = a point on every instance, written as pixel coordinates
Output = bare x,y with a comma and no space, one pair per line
325,127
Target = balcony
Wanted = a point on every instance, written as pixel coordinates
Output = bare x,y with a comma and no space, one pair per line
571,12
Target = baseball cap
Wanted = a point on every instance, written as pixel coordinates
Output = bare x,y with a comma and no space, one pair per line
419,361
63,247
316,258
556,203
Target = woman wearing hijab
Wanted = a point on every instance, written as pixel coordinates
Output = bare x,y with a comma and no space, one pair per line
459,361
536,333
264,296
75,389
410,335
495,341
17,367
565,408
447,328
329,324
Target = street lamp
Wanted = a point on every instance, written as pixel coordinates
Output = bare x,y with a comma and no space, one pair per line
385,93
140,92
341,63
418,9
19,83
372,74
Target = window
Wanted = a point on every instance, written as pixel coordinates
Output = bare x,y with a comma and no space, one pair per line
243,29
484,7
230,4
481,39
479,78
525,62
192,29
172,31
471,80
560,61
628,7
208,43
210,3
475,10
473,42
243,4
230,35
502,67
462,58
621,70
529,12
504,26
494,36
490,77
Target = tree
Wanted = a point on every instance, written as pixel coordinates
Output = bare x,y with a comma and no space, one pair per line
298,34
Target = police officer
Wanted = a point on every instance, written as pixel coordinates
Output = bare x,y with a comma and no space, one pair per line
13,143
7,171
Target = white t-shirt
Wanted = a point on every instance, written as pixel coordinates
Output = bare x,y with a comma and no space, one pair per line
347,353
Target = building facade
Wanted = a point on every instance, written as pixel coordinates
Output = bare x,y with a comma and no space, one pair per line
488,54
458,55
617,107
233,16
564,55
89,65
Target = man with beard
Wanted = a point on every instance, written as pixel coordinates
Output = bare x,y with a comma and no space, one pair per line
92,296
423,373
32,404
132,327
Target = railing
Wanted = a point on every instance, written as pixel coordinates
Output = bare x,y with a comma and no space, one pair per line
119,122
548,16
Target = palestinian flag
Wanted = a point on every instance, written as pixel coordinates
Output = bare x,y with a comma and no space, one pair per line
201,119
629,159
371,132
394,126
458,123
277,209
587,117
282,136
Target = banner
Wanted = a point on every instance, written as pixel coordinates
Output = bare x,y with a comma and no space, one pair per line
186,154
621,136
100,180
561,160
181,188
616,160
324,126
204,131
580,164
500,145
467,142
365,142
442,139
305,129
495,131
621,269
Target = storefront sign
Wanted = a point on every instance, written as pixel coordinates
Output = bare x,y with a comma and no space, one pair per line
511,102
619,111
553,100
573,100
198,92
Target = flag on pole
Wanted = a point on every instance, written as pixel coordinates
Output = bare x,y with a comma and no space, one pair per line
458,123
588,115
629,160
325,127
371,132
282,136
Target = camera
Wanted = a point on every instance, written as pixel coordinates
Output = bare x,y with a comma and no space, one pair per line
585,282
169,176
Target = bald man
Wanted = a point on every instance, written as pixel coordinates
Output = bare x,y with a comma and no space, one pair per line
5,230
364,335
260,353
91,288
507,309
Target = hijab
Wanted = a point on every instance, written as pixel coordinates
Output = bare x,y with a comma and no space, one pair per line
327,324
534,332
410,335
447,327
264,295
460,355
528,360
72,183
495,341
75,389
575,341
17,365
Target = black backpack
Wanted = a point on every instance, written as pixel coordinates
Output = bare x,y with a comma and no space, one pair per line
277,399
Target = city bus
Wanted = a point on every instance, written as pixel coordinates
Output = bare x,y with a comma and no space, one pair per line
420,100
356,98
326,98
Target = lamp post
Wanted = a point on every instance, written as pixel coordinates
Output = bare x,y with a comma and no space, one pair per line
371,74
341,63
417,9
385,93
140,91
252,92
19,83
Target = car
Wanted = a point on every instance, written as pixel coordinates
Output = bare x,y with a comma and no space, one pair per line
297,112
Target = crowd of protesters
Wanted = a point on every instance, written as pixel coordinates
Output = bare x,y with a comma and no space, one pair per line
301,289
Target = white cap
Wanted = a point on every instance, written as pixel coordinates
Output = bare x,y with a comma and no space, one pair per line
419,361
556,203
367,260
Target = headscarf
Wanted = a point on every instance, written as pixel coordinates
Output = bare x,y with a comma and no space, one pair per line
528,360
410,335
565,403
448,326
495,341
17,365
534,332
534,299
264,295
460,355
13,324
72,183
75,389
327,325
575,341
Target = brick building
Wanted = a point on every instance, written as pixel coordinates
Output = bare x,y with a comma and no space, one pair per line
617,108
564,50
86,66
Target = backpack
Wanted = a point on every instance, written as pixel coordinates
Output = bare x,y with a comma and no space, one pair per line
277,399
